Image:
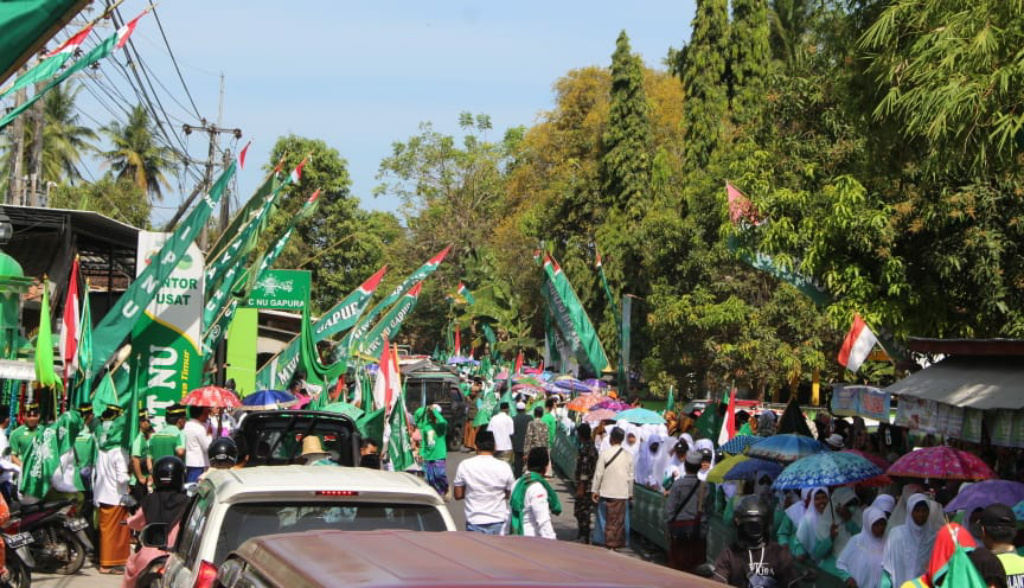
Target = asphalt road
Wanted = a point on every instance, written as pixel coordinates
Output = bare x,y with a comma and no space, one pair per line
564,524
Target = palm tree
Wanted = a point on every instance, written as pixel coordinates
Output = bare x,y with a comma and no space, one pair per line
137,155
64,139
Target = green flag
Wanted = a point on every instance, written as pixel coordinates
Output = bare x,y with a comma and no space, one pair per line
414,278
108,46
121,318
572,319
275,374
371,426
44,457
399,444
317,374
251,212
466,295
45,374
388,327
670,400
45,69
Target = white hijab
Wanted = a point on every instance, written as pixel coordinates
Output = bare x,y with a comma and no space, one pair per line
862,557
843,495
884,502
701,445
909,546
645,459
796,511
815,526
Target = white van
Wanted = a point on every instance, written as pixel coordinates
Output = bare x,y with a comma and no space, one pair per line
231,506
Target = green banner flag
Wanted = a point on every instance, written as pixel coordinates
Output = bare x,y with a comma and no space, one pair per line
572,319
414,278
399,443
276,373
253,211
44,458
466,295
25,22
121,318
319,378
108,46
45,374
389,326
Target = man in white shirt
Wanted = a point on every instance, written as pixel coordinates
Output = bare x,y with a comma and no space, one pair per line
485,483
110,486
197,441
612,489
502,426
533,500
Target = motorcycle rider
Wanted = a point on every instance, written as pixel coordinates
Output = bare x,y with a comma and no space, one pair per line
753,560
166,504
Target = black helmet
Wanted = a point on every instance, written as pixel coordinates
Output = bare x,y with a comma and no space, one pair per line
223,453
751,518
169,474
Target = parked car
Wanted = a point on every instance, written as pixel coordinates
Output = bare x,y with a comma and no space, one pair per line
428,383
274,437
232,506
399,559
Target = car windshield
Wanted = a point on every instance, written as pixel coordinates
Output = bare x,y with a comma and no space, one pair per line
245,521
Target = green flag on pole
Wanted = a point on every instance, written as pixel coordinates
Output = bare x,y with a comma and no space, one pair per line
251,212
388,327
49,66
399,444
121,318
572,319
45,374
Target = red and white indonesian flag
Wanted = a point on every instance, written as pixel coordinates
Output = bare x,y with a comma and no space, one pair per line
126,31
73,43
296,174
69,333
388,385
858,345
729,424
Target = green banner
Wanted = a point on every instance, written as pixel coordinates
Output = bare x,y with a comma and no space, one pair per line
572,319
389,326
276,374
25,22
254,211
281,290
121,318
165,341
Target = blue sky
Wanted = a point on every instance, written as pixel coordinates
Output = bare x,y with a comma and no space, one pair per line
360,75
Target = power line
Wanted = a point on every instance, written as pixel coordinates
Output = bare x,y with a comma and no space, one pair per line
175,62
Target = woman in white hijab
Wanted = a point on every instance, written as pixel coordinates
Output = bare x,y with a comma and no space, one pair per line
909,546
793,506
848,516
885,503
899,513
817,530
646,458
862,558
704,445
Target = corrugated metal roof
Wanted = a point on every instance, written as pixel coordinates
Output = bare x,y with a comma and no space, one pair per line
985,383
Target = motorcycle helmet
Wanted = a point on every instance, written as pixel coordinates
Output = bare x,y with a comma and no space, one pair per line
169,473
751,519
223,453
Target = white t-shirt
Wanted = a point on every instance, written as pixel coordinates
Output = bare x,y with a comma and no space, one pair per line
536,513
502,427
110,478
487,480
197,441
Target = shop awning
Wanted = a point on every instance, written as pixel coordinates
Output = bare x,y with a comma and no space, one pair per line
966,381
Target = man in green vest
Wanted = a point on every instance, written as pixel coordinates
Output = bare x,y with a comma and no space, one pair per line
141,460
998,528
169,440
22,437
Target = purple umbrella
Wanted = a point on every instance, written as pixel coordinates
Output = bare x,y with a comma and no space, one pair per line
569,383
614,405
987,493
595,384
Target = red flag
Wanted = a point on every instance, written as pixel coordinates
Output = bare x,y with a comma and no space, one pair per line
69,331
126,31
519,363
729,426
73,43
242,154
296,174
458,341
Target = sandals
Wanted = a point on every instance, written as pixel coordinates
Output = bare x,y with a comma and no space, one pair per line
114,571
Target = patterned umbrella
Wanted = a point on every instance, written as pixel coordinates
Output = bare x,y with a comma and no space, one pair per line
613,405
739,443
529,380
875,459
571,383
268,400
785,448
599,415
986,493
583,402
345,408
716,474
828,468
213,397
746,470
641,416
527,389
943,463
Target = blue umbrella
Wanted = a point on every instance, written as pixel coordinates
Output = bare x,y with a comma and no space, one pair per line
739,443
640,416
785,448
746,470
267,400
829,468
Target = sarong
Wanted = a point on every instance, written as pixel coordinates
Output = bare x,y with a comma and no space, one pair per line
436,475
615,523
687,549
115,538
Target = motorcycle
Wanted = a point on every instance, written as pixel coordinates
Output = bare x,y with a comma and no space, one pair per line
59,540
18,560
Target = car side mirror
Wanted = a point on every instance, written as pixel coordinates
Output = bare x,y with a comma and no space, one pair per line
155,535
705,570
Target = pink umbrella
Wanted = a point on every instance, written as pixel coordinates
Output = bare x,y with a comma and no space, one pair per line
944,463
599,415
875,459
212,396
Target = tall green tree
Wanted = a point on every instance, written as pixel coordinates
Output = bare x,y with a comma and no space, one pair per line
626,143
702,64
136,153
65,139
119,199
750,58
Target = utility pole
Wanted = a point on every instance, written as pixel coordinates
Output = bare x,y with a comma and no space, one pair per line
16,182
35,167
